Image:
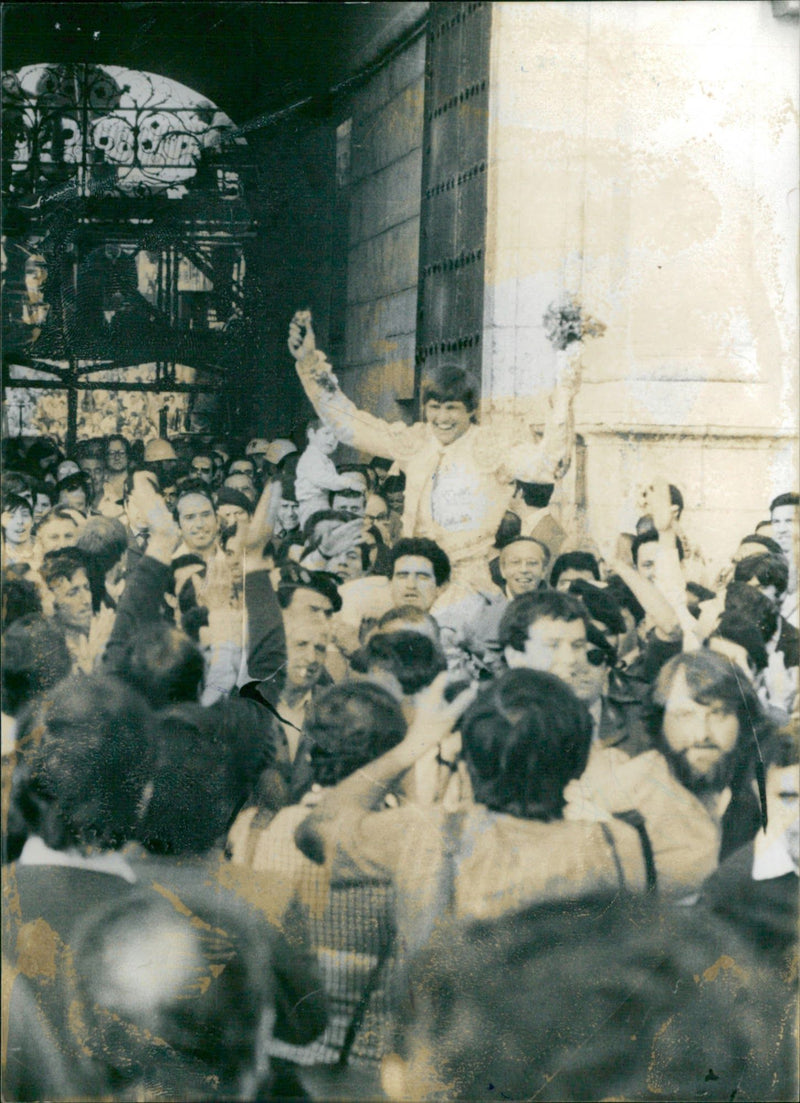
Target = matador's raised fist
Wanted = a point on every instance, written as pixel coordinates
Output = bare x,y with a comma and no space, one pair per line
301,335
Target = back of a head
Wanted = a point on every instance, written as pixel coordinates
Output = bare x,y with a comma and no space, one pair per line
164,665
612,998
200,781
105,540
757,541
535,495
174,1004
524,738
86,757
410,616
34,658
20,597
526,609
412,657
745,634
601,605
751,605
768,570
352,724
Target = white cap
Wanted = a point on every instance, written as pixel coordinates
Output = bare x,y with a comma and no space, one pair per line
257,447
158,449
67,468
280,449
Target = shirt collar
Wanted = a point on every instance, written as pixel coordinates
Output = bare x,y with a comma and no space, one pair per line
36,852
771,858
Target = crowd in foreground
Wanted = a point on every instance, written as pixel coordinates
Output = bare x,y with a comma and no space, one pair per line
375,780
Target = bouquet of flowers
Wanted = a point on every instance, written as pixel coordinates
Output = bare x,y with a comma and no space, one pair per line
566,322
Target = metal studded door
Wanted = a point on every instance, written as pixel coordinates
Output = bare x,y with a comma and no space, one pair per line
453,204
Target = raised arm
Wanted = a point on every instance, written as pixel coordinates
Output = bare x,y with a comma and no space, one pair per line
361,792
143,596
568,328
392,440
266,656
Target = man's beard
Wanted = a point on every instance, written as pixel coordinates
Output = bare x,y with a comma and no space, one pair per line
713,780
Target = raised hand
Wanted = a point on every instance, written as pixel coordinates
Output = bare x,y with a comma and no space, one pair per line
658,505
435,717
301,335
150,505
215,589
341,539
255,535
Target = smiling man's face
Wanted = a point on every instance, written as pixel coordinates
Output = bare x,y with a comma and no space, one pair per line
448,420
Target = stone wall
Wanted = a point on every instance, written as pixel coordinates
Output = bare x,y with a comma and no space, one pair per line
644,156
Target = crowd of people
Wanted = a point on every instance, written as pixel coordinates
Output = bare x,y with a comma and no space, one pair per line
378,780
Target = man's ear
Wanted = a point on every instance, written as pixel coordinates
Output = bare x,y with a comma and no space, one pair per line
514,659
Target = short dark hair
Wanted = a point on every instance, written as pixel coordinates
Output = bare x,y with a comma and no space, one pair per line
87,754
451,383
164,665
524,738
349,726
77,481
90,448
425,549
788,499
608,1001
34,658
239,459
20,596
394,484
574,561
410,656
742,632
294,577
201,779
749,603
535,495
63,563
650,537
227,496
526,609
769,570
12,501
676,498
348,492
601,605
781,748
765,542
